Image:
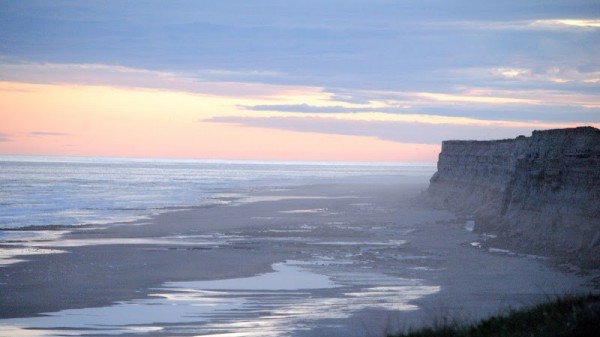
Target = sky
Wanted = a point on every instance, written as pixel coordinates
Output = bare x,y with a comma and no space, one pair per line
347,80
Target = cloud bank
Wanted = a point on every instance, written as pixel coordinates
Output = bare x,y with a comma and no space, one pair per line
48,134
397,131
312,66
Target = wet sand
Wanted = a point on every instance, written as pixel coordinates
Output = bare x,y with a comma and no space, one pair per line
379,260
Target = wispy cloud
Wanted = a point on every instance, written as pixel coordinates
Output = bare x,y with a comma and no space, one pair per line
4,137
471,98
323,109
203,82
559,104
398,131
514,97
48,134
477,103
565,24
520,76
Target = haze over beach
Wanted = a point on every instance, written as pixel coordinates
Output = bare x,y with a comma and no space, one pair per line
276,168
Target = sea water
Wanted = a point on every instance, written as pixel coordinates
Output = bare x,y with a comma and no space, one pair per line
45,192
69,191
323,291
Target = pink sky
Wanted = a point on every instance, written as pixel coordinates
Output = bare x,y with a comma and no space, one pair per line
123,122
94,110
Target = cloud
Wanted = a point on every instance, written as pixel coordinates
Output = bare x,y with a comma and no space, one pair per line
532,104
476,103
566,24
208,82
4,137
314,109
473,98
510,59
48,134
311,43
398,131
566,78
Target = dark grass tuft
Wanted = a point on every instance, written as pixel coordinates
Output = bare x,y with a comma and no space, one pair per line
570,316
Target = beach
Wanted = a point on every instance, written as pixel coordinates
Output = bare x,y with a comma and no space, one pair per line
298,168
352,259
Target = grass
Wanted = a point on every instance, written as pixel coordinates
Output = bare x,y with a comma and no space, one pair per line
572,316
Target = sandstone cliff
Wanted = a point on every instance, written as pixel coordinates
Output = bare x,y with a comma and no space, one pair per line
540,194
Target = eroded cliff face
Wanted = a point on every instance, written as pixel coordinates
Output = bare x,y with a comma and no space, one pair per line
539,193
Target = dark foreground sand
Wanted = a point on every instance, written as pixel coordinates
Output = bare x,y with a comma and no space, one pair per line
366,239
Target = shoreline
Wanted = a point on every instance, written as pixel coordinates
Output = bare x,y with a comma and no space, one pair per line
375,230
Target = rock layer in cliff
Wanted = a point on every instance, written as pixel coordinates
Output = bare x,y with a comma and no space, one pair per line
542,193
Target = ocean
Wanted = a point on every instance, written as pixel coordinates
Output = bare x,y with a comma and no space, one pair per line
323,280
38,191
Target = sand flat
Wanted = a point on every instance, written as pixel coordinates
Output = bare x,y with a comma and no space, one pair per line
373,254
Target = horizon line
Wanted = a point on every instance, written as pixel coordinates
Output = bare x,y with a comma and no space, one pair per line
4,156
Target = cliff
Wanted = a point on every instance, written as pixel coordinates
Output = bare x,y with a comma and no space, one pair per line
540,194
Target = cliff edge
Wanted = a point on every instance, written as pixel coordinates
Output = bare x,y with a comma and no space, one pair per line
539,194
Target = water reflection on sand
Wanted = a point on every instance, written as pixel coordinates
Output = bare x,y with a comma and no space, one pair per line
295,296
341,267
